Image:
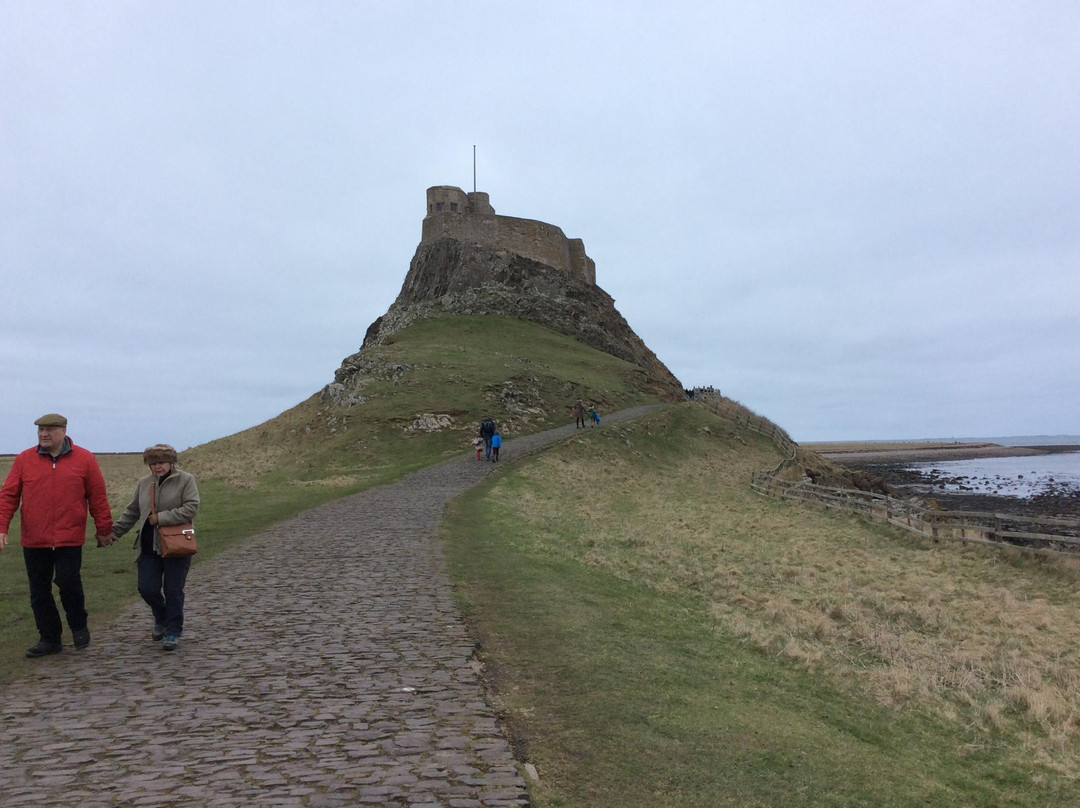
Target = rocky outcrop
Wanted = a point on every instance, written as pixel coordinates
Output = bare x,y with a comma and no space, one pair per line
448,277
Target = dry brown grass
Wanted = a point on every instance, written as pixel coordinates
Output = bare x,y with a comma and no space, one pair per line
240,460
987,637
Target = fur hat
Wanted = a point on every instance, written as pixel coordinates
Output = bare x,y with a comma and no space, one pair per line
159,453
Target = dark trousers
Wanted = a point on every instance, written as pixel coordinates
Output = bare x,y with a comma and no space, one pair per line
63,565
161,584
487,447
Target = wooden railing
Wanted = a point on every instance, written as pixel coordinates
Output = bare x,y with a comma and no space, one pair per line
1039,533
733,411
1042,533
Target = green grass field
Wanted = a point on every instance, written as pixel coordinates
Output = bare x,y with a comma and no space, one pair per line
659,635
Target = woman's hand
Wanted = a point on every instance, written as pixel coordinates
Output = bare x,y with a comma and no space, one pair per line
152,519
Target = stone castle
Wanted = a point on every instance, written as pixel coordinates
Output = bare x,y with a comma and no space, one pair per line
471,261
452,213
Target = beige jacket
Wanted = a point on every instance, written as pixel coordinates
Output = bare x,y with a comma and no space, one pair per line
177,503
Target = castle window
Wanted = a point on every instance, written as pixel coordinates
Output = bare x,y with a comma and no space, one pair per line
439,206
453,207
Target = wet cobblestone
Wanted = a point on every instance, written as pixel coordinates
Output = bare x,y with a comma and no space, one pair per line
323,664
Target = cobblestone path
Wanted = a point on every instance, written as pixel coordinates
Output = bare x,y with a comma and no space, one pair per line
324,663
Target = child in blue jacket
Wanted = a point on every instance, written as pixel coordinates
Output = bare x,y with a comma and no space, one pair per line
496,444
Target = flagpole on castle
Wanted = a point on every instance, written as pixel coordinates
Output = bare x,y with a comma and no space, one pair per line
474,168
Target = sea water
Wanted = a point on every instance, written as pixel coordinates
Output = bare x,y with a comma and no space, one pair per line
1013,476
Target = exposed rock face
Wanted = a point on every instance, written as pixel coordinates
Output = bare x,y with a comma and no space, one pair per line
355,372
448,277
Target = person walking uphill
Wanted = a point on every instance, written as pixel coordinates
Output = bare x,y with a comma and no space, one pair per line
166,496
54,484
487,432
579,415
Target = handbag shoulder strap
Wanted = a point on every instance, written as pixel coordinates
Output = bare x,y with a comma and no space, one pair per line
153,498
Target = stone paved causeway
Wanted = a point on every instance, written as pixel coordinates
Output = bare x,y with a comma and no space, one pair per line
323,663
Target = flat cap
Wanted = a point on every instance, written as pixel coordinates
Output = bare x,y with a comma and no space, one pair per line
52,419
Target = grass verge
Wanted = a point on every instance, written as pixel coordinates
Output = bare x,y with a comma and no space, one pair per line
659,635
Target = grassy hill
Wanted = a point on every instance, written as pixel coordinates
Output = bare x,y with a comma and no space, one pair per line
462,368
660,635
656,633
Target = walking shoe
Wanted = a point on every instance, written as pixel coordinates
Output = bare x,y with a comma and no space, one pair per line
172,642
158,632
81,639
44,648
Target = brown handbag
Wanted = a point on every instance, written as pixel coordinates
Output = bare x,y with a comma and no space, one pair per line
177,541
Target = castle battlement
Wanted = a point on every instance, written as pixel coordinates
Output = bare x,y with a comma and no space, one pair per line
469,218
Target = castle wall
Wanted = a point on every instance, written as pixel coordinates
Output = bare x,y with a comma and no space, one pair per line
446,198
470,218
581,266
451,199
479,202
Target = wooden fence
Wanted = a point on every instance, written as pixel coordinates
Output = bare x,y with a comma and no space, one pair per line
1042,533
733,411
1039,533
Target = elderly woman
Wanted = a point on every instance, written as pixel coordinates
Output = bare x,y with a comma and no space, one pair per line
167,496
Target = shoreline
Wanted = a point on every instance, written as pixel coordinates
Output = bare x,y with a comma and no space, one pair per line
891,463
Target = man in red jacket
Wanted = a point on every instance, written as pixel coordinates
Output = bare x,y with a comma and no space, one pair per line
55,482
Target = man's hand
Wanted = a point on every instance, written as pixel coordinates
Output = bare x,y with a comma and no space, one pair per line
3,540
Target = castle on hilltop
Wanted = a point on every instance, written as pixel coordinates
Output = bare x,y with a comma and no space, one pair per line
473,263
469,218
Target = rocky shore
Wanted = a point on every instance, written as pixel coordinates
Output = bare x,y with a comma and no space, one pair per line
891,462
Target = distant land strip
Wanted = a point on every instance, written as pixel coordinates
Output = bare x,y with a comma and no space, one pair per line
914,452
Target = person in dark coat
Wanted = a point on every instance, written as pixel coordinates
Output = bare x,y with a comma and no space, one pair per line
579,415
487,432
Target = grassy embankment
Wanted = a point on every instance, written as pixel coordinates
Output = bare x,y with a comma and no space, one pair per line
525,376
662,636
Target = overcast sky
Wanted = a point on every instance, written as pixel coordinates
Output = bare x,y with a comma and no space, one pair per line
860,219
